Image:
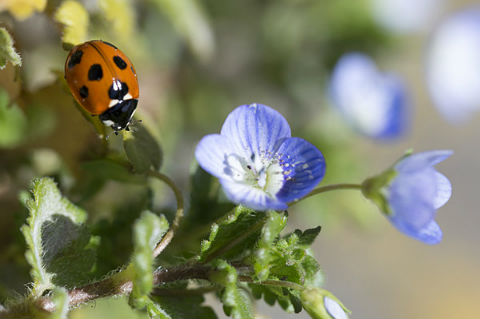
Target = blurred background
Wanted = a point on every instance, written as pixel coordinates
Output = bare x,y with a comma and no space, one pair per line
197,60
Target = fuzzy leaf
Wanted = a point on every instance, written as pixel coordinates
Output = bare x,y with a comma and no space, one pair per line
60,249
13,124
7,51
275,223
238,231
142,149
148,230
189,19
182,307
236,302
74,18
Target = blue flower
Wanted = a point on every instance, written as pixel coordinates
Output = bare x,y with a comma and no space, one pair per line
453,61
374,103
410,194
257,161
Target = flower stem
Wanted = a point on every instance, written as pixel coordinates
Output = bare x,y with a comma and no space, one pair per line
163,243
270,282
328,188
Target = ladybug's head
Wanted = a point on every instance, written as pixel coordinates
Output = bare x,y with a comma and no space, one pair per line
119,115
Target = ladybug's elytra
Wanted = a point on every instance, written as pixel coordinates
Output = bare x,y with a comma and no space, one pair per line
103,80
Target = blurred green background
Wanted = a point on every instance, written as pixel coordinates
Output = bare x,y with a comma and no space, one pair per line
196,61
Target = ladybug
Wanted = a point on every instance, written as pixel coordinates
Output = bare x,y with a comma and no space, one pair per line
103,81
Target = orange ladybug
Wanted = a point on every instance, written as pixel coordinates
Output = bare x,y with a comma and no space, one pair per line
103,80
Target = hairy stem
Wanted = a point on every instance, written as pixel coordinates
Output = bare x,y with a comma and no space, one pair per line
328,188
163,243
277,283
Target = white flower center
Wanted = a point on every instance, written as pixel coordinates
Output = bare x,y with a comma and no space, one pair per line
257,171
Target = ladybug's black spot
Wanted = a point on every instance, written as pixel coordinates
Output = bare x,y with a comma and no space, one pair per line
75,59
83,91
117,90
95,72
108,43
119,62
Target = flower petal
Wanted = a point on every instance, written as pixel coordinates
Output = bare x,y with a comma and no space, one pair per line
211,154
444,190
250,197
255,129
430,234
373,103
411,200
422,160
304,168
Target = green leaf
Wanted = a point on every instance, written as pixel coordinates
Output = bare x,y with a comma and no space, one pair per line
108,169
148,230
205,205
13,124
234,235
181,307
264,256
74,18
7,51
188,18
60,249
236,302
142,149
306,238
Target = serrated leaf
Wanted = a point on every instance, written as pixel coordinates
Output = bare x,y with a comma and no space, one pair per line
238,231
148,230
189,19
13,124
142,149
74,18
60,249
307,237
7,50
285,298
182,307
236,302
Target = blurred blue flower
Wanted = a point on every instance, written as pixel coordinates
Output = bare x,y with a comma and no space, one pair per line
405,16
453,64
410,194
256,160
374,103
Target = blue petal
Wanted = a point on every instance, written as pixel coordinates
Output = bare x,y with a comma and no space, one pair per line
444,190
398,115
251,197
211,153
255,128
411,199
422,160
373,103
304,167
430,234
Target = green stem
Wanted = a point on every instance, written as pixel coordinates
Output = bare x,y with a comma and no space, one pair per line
270,282
163,243
328,188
